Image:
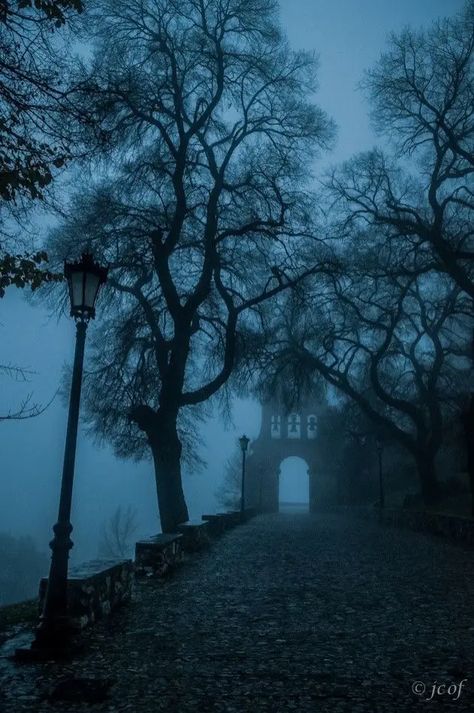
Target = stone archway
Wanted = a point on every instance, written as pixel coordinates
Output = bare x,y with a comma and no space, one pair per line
285,434
293,485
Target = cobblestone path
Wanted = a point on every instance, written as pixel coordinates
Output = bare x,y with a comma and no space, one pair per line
285,613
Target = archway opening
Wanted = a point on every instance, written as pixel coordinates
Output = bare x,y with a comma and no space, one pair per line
293,485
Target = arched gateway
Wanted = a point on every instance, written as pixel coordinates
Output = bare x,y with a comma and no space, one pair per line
283,434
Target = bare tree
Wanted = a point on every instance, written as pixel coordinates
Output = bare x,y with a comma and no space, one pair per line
33,143
201,211
27,408
117,535
398,346
33,92
420,195
230,490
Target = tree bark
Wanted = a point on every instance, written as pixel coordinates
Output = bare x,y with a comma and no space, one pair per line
166,449
429,483
468,423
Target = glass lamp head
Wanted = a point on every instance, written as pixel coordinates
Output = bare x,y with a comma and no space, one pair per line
85,278
244,442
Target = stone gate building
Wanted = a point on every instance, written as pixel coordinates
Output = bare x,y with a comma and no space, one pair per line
284,434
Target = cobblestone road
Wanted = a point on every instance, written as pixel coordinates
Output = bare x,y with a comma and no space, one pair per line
285,613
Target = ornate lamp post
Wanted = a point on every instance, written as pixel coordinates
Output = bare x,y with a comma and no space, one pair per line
379,447
85,278
244,442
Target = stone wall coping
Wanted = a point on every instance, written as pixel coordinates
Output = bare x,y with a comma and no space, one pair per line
96,568
162,539
454,527
448,516
222,516
431,513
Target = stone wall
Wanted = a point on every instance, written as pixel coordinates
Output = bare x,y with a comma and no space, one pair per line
157,555
460,529
98,587
95,589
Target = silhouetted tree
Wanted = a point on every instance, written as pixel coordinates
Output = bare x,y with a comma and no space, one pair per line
420,195
117,535
397,346
414,199
21,271
27,408
32,89
25,270
201,211
33,143
230,490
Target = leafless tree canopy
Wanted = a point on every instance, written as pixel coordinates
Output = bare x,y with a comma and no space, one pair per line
203,214
117,534
419,194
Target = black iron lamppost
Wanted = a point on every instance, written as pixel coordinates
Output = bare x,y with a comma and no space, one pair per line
379,446
244,442
85,278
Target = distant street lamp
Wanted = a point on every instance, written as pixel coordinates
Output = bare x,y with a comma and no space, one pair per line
244,442
379,445
85,278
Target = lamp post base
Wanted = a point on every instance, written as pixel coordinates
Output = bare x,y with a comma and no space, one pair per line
55,639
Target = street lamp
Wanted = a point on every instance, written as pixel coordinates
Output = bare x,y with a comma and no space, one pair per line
84,278
379,446
244,442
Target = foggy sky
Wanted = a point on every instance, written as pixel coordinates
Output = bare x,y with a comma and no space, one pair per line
348,35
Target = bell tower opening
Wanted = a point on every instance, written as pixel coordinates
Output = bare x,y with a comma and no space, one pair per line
294,485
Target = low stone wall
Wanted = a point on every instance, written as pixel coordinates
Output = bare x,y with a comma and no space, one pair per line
216,524
460,529
221,521
195,535
98,587
95,589
231,518
157,555
249,513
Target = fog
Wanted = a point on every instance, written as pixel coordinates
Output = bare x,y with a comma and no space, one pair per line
349,36
32,450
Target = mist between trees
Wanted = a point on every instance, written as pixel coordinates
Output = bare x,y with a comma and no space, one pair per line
182,151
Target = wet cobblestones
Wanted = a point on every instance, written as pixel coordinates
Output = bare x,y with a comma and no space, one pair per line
285,613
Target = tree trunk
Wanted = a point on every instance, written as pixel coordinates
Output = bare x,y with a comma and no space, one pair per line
468,423
166,449
430,489
471,480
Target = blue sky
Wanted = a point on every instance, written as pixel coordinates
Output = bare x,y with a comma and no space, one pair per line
348,35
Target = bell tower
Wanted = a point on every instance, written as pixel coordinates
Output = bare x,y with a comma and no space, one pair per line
285,433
